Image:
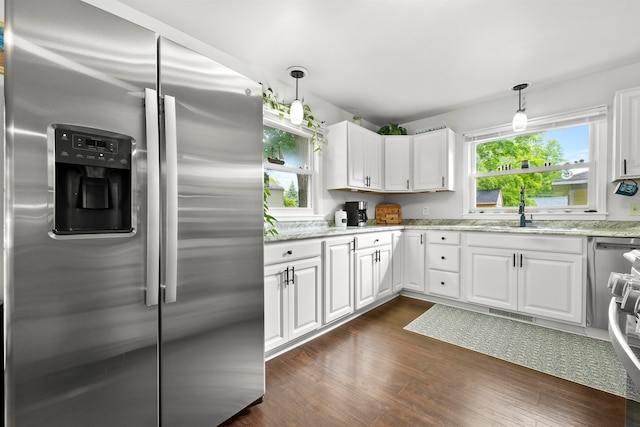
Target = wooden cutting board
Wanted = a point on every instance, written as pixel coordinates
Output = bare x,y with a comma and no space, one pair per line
388,214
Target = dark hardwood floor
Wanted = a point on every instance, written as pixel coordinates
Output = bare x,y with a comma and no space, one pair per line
371,372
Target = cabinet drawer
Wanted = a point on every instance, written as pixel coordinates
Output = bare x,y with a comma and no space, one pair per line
444,283
443,237
290,251
562,244
368,240
444,257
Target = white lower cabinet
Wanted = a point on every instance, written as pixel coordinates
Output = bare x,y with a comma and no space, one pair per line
414,260
373,274
397,252
538,275
492,278
292,291
443,263
311,283
338,278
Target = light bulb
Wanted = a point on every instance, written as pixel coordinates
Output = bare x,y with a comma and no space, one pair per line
519,121
296,112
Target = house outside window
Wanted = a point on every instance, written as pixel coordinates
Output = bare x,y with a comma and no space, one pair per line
556,160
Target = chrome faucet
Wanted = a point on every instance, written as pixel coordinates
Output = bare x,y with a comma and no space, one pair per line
521,208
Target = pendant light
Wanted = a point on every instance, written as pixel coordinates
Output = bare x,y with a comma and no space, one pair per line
519,122
296,112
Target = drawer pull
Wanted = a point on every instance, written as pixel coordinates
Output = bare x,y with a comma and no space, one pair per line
443,238
289,252
376,241
442,283
442,257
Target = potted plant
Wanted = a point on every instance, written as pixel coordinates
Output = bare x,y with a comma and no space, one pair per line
392,129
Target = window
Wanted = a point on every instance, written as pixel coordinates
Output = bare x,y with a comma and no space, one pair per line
288,168
555,160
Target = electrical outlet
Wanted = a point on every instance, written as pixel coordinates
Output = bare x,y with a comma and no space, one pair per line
634,209
425,210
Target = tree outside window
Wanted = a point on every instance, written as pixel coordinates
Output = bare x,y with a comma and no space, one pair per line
287,159
536,162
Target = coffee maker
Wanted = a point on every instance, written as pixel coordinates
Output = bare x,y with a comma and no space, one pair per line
356,213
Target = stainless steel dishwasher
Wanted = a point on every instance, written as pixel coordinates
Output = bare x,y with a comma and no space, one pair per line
604,256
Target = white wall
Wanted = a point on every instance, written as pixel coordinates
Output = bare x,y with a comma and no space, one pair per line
587,91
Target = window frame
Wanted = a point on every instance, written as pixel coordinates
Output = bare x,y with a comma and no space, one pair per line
272,119
596,117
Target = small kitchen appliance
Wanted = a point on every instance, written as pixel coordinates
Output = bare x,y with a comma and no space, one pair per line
356,213
340,218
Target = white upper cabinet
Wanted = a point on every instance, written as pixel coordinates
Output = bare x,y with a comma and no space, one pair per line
433,155
358,159
353,158
397,162
626,134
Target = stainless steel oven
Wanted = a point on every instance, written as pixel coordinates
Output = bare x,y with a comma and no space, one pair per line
624,329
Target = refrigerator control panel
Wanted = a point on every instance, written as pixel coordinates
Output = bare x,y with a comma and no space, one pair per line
93,149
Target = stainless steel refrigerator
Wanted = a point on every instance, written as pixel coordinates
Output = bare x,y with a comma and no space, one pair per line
134,258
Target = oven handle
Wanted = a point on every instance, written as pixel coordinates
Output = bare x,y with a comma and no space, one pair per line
626,356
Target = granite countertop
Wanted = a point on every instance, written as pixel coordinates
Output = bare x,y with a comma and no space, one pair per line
319,229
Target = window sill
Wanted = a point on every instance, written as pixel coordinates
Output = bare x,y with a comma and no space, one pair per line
293,214
542,216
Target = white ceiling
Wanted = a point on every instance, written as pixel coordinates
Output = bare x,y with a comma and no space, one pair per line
402,60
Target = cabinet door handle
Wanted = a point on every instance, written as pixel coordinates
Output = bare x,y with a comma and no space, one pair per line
407,184
443,181
286,276
514,259
421,238
293,275
624,166
354,244
520,260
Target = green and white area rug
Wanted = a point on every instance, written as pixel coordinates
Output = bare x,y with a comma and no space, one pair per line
584,360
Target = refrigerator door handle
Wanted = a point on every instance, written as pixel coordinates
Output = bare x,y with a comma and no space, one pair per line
171,232
153,197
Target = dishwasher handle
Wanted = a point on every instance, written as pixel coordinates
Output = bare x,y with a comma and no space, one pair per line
616,246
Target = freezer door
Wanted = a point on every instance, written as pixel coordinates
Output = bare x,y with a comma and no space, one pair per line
81,342
212,363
